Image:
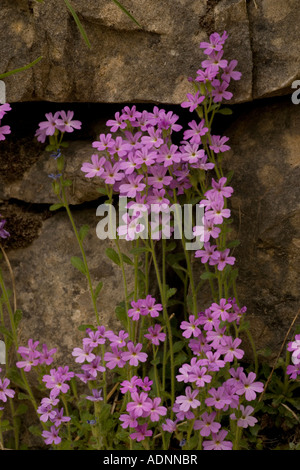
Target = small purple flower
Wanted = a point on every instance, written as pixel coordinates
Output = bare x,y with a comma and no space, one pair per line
141,433
51,437
97,395
188,400
155,335
3,233
193,101
218,442
96,168
66,123
206,424
4,391
134,354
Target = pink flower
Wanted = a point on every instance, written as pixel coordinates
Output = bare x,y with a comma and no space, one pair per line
169,425
4,108
193,101
156,410
219,398
218,442
51,437
206,424
4,391
244,418
231,350
30,361
197,130
221,309
128,421
84,354
66,123
155,335
49,126
221,258
188,400
114,358
141,404
134,354
190,327
105,142
220,91
132,186
95,168
4,130
218,143
141,432
149,306
248,387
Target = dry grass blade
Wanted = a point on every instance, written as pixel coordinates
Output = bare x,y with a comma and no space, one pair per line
278,356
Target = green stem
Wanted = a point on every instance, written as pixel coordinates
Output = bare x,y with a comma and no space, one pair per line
162,289
88,276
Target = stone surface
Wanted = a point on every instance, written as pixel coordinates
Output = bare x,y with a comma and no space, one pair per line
265,158
54,295
35,185
127,63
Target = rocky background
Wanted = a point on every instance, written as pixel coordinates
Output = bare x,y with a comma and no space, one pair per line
148,65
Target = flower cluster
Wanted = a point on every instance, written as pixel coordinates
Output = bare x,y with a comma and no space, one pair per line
61,121
213,349
57,382
31,357
3,233
4,130
293,370
140,408
5,392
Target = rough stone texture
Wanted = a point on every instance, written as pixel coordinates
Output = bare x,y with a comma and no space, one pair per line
54,295
265,158
149,64
34,185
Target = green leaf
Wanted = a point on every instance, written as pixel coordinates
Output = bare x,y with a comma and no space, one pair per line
6,332
171,292
178,346
21,69
35,430
113,255
85,326
83,231
18,317
122,315
23,396
14,376
139,249
55,207
77,21
102,191
5,425
21,410
127,260
64,144
207,275
233,243
50,148
78,264
126,12
67,183
225,111
98,289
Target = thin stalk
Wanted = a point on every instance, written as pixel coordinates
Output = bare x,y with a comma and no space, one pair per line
88,276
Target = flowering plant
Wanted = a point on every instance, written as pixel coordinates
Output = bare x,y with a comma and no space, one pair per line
164,377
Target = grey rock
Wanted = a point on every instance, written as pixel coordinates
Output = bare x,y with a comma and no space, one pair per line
127,63
54,296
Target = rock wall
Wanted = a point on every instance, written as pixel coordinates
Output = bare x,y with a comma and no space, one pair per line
147,65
